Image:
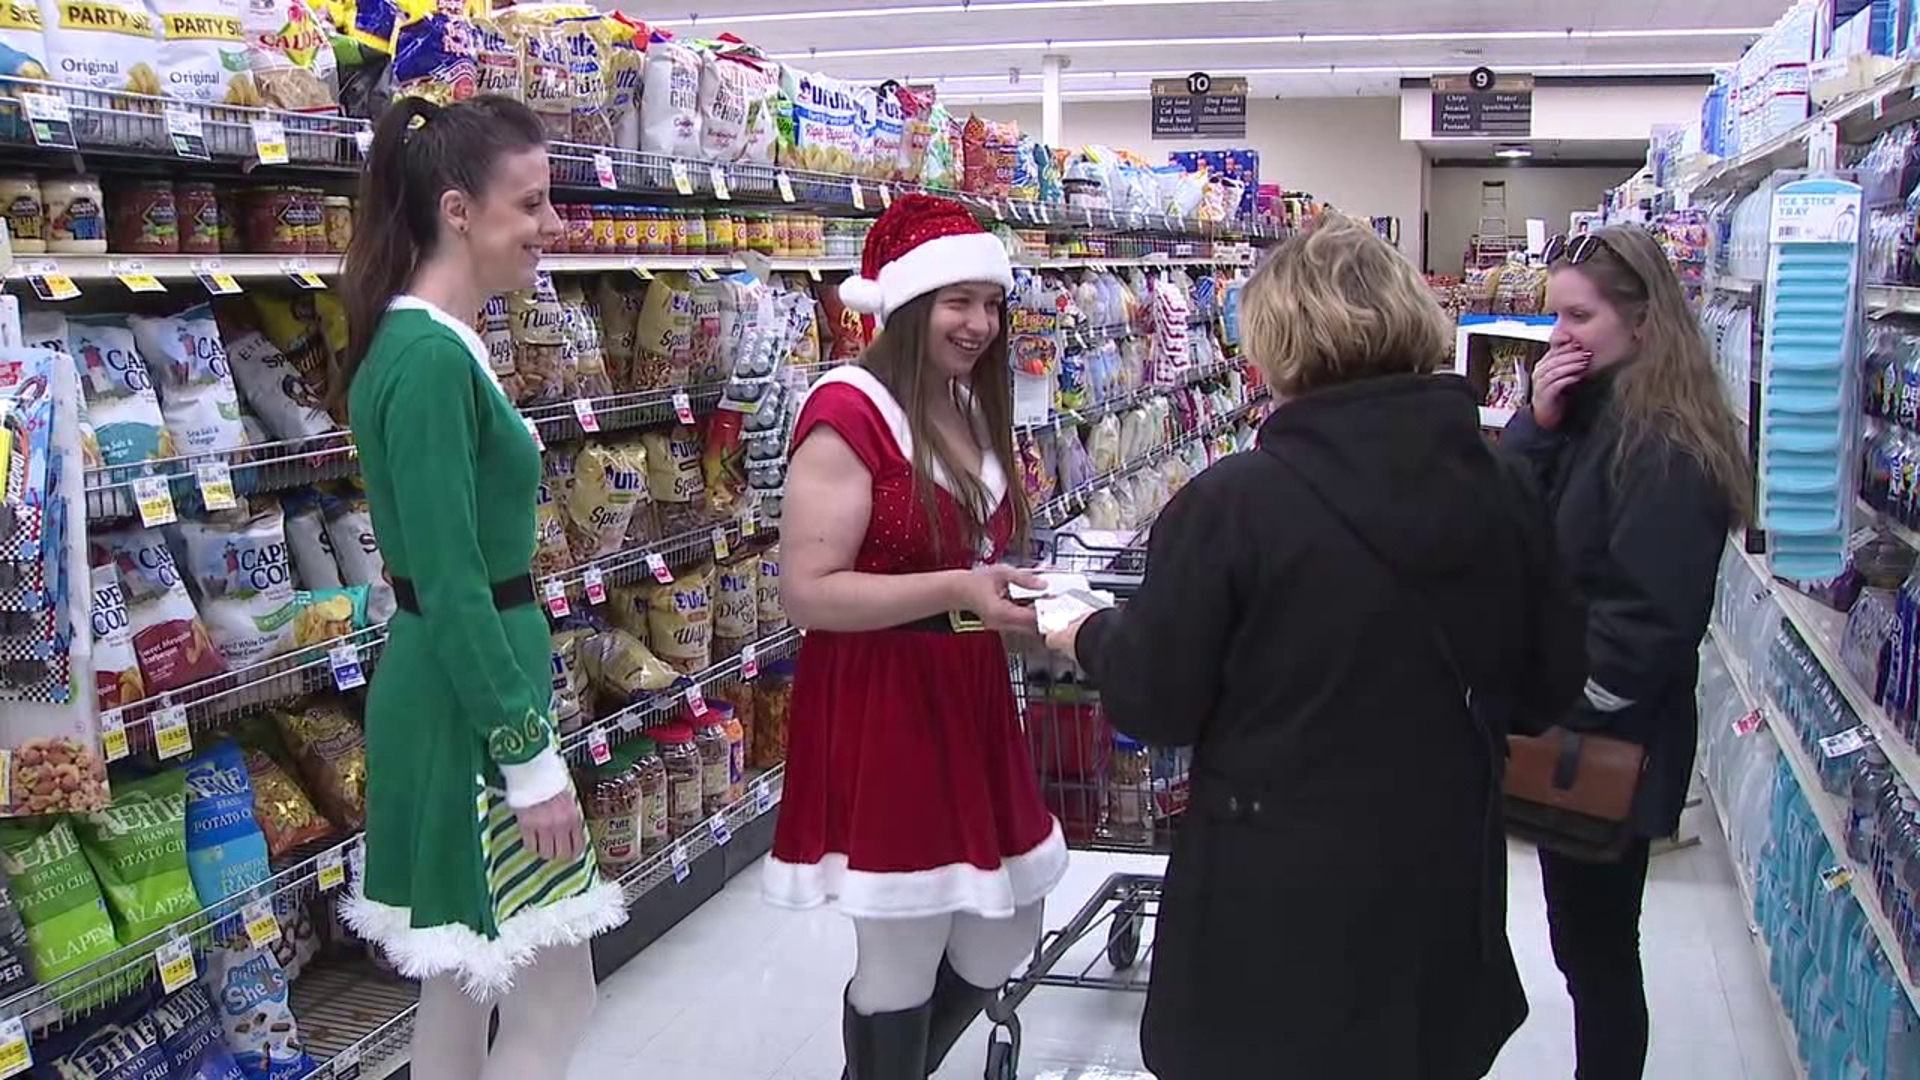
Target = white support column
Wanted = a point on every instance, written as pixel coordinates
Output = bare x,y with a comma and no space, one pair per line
1051,65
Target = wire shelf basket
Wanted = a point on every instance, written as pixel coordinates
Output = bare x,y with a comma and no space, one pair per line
665,867
137,123
666,706
256,470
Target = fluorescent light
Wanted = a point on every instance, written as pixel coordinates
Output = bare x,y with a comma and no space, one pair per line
1410,70
1513,152
1264,39
932,9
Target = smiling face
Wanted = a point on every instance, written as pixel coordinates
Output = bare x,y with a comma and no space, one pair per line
1585,319
507,226
964,320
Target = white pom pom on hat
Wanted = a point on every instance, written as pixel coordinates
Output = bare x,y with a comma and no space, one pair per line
920,244
862,295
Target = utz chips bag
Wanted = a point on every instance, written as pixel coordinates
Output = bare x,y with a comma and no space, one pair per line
680,621
819,125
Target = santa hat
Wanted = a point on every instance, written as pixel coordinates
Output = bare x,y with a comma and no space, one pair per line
920,244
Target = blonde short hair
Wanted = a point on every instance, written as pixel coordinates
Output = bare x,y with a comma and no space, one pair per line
1340,304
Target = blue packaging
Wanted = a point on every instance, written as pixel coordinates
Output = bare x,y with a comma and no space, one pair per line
226,851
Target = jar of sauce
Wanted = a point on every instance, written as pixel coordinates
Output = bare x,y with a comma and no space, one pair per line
606,231
720,233
145,220
273,222
26,213
696,229
198,204
234,207
580,229
311,205
76,216
656,232
682,761
628,220
338,211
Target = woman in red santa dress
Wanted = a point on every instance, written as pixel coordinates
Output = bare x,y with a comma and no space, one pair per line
911,801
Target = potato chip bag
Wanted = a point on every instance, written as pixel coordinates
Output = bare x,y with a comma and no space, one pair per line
58,896
203,51
285,813
670,117
138,849
291,57
330,751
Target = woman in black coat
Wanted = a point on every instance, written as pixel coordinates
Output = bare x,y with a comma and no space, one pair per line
1335,902
1632,441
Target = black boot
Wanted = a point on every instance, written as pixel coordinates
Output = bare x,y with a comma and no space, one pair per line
956,1002
886,1046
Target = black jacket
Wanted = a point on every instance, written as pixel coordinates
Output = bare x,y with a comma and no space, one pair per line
1335,902
1643,544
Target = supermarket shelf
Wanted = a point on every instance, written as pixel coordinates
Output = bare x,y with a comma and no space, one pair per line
1094,413
1727,283
1901,531
100,268
680,551
255,470
355,1019
1893,300
1826,809
664,706
1056,511
1495,416
1857,116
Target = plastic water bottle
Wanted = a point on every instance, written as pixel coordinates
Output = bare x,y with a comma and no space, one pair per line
1872,776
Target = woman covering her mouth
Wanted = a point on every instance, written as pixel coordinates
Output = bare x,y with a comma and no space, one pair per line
910,799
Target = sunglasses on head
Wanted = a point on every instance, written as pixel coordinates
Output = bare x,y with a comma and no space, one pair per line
1575,250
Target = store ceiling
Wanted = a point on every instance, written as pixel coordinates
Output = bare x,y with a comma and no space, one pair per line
1546,152
992,49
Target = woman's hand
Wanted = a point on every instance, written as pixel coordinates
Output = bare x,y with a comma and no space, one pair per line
1554,377
984,593
1066,640
553,830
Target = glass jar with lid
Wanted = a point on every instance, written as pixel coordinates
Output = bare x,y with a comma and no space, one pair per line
652,827
682,761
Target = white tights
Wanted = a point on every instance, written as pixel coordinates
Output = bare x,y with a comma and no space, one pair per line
900,958
541,1021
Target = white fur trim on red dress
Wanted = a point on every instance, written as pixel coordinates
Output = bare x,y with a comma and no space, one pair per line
993,476
937,263
912,894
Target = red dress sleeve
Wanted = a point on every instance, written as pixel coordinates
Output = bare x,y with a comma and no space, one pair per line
855,419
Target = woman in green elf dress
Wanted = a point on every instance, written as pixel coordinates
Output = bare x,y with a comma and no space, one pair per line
478,880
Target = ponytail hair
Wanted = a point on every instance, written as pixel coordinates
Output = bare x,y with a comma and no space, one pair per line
420,151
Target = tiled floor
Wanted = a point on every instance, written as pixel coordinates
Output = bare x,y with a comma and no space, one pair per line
740,991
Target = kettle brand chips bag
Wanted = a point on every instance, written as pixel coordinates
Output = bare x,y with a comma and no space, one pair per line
138,848
59,898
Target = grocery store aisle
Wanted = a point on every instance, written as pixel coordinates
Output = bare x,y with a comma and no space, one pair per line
740,991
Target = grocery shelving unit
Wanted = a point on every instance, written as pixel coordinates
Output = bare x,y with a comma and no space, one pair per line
1471,360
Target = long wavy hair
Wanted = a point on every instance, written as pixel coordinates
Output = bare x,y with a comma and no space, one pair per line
898,358
1669,390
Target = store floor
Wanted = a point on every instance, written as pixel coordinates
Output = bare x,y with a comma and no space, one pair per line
741,991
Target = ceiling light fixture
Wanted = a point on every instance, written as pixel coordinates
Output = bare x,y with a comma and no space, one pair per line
1410,70
1261,39
1514,153
934,9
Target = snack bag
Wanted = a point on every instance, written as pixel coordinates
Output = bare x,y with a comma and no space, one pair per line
116,668
102,45
944,167
581,320
619,304
189,366
226,851
250,992
23,55
433,59
203,52
138,849
546,76
496,62
680,621
331,752
846,329
552,553
173,645
539,342
307,540
289,400
240,567
350,530
625,57
663,336
609,483
189,1031
286,815
621,669
325,614
292,60
673,476
670,118
818,131
119,391
772,614
495,327
58,897
736,612
125,1046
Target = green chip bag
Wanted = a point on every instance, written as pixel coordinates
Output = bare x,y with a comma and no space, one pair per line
58,896
138,847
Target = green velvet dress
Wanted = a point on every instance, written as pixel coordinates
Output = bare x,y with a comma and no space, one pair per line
457,717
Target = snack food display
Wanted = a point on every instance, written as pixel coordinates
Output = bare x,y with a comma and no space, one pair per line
285,813
137,846
323,735
226,851
58,896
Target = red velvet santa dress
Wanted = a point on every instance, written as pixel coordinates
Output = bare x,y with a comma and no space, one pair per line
909,788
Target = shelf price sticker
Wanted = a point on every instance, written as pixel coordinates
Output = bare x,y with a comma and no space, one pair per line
1749,723
639,269
216,485
785,184
344,660
262,928
717,177
330,870
15,1055
596,583
681,869
363,141
302,275
133,274
175,961
171,735
750,520
886,197
113,734
657,566
50,284
346,1064
555,592
696,701
1846,742
187,134
859,196
707,273
682,179
533,432
603,171
749,662
1835,878
722,551
215,279
597,748
155,501
270,142
583,412
762,796
51,121
682,407
722,832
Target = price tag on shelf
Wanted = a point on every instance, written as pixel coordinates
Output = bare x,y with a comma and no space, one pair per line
155,501
785,183
750,520
886,197
681,870
344,660
657,566
50,120
722,551
133,274
216,485
696,701
270,142
215,279
15,1056
555,592
363,141
640,269
113,734
331,870
533,431
814,273
175,961
597,748
859,196
187,134
722,832
1846,742
262,928
1835,878
762,796
682,180
6,777
682,407
302,275
52,285
1749,723
717,177
589,420
749,662
596,583
707,272
603,171
171,735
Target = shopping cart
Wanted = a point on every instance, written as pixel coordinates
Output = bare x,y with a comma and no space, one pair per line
1109,793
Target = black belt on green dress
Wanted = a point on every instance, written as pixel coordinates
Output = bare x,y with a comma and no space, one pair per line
508,594
953,622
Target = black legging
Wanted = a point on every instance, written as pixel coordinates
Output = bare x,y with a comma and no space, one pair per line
1593,910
